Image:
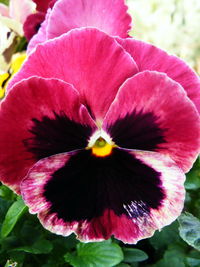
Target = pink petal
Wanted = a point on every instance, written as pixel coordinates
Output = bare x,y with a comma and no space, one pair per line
109,16
41,35
4,11
127,227
174,114
88,59
30,100
21,9
149,57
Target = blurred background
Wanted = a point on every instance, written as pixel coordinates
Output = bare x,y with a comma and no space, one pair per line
173,25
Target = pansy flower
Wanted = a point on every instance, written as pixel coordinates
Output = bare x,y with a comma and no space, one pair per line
95,146
109,16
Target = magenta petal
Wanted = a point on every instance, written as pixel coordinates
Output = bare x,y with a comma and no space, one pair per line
40,36
43,5
29,103
131,226
4,10
109,16
32,193
90,60
99,14
32,24
149,57
175,127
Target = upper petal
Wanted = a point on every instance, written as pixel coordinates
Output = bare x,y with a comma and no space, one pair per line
90,60
39,118
152,112
149,57
109,16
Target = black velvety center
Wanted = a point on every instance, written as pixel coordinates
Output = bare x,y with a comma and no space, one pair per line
137,131
87,185
56,135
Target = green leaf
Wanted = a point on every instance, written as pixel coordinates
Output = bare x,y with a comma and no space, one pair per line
134,255
39,247
122,265
69,242
22,44
172,258
12,216
134,264
193,262
6,2
25,229
168,235
4,205
6,193
193,177
99,254
189,229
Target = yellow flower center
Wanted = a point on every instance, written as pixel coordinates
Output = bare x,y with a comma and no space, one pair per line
101,148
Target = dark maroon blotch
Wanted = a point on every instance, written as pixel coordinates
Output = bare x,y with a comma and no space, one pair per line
137,131
60,134
87,185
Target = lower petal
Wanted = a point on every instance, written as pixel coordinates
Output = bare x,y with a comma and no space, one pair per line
132,193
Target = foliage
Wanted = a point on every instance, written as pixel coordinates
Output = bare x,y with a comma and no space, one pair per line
25,243
6,2
189,230
95,254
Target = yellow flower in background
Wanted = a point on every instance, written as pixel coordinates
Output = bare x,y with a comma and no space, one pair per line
16,63
3,80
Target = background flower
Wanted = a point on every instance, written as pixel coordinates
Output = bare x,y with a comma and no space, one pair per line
171,25
15,65
12,18
109,16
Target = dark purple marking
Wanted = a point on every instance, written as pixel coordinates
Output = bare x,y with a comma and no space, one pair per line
137,131
58,135
87,185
